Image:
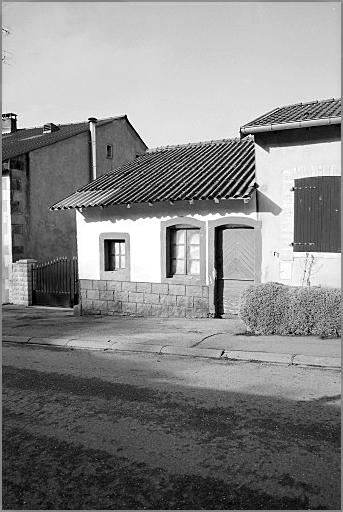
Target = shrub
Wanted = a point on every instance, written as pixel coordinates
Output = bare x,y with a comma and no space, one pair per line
274,308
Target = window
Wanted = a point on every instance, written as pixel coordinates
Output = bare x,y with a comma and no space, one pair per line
185,251
109,151
317,218
114,254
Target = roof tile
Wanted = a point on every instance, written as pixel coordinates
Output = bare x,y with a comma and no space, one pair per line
222,169
323,109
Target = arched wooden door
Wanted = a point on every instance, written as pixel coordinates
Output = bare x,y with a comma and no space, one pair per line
235,265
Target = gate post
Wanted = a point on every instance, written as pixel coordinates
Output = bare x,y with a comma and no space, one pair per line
21,282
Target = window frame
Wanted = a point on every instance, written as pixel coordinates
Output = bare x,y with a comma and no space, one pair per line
109,146
186,260
182,223
120,274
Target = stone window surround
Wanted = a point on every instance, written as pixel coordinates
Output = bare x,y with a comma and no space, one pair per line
165,249
230,222
123,274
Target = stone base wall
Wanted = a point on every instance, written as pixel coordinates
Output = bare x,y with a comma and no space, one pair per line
143,299
21,282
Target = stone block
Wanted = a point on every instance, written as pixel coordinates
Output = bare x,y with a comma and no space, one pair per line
159,288
128,286
200,303
144,287
136,297
113,285
168,300
144,309
86,283
90,294
205,291
106,295
176,312
101,305
186,302
86,304
123,296
114,306
159,310
92,312
151,298
177,289
129,307
99,285
194,290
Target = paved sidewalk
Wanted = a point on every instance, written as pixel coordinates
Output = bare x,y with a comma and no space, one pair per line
212,338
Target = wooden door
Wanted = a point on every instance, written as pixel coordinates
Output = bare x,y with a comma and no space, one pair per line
235,265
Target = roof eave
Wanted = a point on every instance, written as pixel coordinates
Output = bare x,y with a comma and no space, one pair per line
288,126
246,198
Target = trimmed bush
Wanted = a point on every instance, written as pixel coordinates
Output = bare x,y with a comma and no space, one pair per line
274,308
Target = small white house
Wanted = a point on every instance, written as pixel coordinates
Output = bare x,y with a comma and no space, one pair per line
182,230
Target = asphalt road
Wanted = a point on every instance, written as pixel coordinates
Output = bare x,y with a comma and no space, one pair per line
89,430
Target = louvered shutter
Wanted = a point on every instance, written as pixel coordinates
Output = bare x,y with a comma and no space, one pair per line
317,218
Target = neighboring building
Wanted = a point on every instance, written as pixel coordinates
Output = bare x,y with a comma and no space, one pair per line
298,167
182,230
41,165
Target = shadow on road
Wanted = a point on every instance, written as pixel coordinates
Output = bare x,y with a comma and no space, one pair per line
73,442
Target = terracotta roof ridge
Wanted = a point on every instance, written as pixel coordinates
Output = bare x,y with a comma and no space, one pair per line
192,144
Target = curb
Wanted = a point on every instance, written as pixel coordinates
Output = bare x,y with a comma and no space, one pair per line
289,359
208,353
211,353
15,339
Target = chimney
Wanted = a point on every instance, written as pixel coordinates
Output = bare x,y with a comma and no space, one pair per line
92,122
9,122
49,128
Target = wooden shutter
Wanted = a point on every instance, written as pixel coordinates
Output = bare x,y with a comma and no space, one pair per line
317,218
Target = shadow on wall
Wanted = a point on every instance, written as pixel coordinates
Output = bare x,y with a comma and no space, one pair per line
266,205
298,137
165,209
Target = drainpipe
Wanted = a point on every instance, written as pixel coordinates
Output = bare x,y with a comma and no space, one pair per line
92,122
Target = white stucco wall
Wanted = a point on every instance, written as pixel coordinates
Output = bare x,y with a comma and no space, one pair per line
143,223
276,169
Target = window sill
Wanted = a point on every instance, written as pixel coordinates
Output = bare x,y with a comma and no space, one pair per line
115,275
183,280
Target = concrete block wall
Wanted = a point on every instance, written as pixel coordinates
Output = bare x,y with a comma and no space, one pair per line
143,299
21,282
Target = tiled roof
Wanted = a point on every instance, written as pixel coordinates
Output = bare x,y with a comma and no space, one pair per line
28,139
223,169
313,110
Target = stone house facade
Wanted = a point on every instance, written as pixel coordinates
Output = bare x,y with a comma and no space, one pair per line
182,230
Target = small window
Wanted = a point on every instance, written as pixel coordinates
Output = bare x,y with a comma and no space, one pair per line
185,251
114,252
109,151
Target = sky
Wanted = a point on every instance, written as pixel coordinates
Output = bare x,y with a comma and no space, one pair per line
182,72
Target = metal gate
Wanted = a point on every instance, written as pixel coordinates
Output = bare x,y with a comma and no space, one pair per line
55,283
